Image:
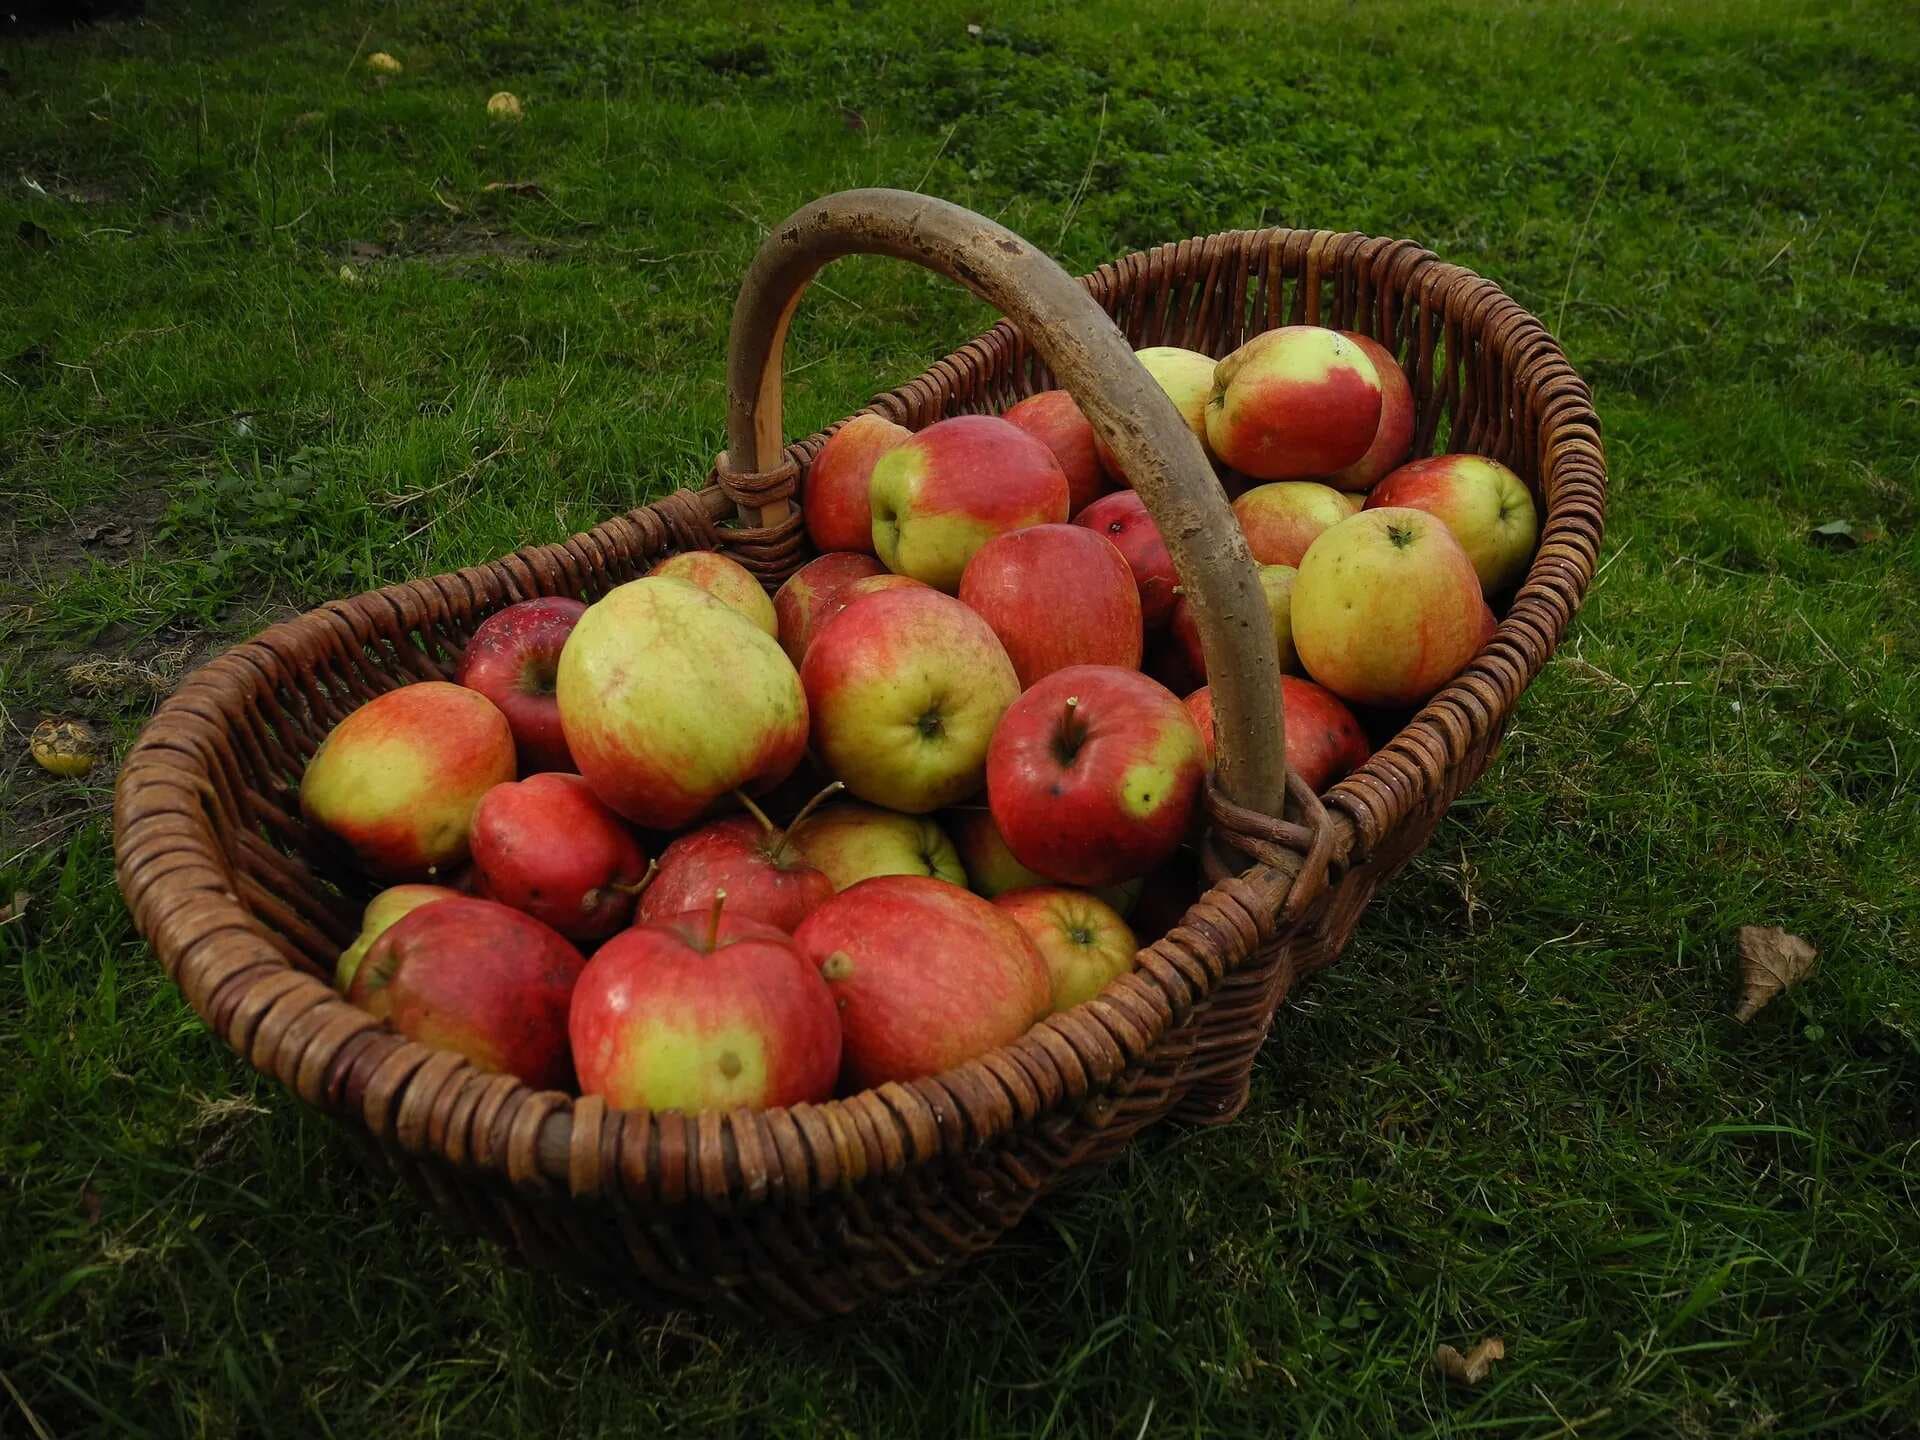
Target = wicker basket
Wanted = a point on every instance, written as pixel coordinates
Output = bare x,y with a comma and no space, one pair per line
812,1210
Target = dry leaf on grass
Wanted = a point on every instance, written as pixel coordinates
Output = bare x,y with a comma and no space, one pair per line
514,187
1472,1367
1771,961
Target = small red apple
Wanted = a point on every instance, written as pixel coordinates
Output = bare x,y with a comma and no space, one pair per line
1052,418
511,660
1094,775
1082,938
926,975
1056,595
1394,436
842,596
477,977
1122,517
1282,519
802,605
1324,740
750,860
833,496
546,845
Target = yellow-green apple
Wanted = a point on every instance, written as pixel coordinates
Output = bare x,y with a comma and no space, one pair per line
1387,607
546,845
852,842
926,976
1122,517
992,869
1095,774
942,494
802,604
478,977
397,780
1324,740
511,660
1052,418
381,912
726,580
905,687
833,496
841,596
703,1012
1187,377
1393,437
756,864
1484,505
1082,938
1282,519
672,699
1294,402
1356,502
1276,583
1056,595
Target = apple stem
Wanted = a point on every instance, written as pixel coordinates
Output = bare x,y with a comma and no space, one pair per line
754,810
780,848
713,919
638,887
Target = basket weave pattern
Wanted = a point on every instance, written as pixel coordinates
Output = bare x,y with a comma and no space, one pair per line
813,1210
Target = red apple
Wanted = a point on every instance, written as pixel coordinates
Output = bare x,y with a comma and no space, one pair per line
944,493
1095,774
511,660
1294,402
830,608
1082,938
696,1013
1281,520
1489,626
747,858
852,842
546,845
1394,435
1484,505
671,700
992,869
397,779
1052,418
1324,740
477,977
1187,377
905,687
1276,583
1122,517
1056,595
833,496
926,976
728,581
803,604
379,916
1387,608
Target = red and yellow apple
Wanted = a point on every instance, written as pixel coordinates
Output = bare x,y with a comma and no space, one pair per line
1056,595
397,779
1123,518
381,912
546,845
1276,584
944,493
1484,505
1082,938
1394,435
1387,607
833,497
754,863
851,842
992,869
511,660
671,700
1052,418
726,580
926,976
1294,402
1282,519
1324,740
808,598
1187,377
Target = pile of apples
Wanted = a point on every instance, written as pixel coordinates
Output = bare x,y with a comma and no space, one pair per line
950,703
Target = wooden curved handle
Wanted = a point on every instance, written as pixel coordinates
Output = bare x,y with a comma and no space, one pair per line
1128,410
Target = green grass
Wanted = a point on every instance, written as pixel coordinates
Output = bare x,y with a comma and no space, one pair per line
1517,1107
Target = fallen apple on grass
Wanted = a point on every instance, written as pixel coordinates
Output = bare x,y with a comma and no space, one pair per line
750,860
1292,403
511,660
833,496
851,842
1484,505
547,846
1056,595
1052,418
1082,938
1325,742
728,581
381,912
1123,519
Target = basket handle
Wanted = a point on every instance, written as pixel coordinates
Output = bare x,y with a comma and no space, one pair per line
1128,410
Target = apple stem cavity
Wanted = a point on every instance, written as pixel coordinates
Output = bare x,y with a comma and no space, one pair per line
779,851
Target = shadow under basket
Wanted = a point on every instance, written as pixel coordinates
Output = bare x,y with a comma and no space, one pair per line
813,1210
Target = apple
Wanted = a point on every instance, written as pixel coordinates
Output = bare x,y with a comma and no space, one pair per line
671,700
804,603
511,660
1052,418
1094,775
852,842
1282,519
726,580
1056,595
1484,505
1393,438
1122,517
478,977
1276,583
905,688
1187,377
844,595
833,497
1489,626
1294,402
397,779
750,860
546,845
1387,607
942,494
692,1013
992,869
385,908
1082,938
1324,740
926,976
